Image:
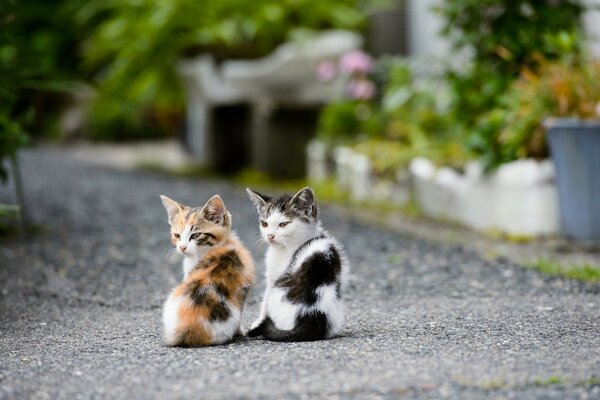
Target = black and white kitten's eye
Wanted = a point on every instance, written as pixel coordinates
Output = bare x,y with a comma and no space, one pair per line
195,236
284,224
264,224
176,235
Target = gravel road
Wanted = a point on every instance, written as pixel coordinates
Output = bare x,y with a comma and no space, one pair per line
81,302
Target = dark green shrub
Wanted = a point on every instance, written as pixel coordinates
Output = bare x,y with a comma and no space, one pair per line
135,46
504,37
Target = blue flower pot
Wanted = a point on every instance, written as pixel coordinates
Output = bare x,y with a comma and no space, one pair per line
575,148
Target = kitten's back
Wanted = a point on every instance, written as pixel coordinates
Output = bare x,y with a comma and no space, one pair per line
208,304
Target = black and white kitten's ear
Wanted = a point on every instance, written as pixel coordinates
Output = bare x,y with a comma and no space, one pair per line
304,202
215,212
173,207
259,200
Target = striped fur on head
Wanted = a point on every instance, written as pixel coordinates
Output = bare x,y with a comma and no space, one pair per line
301,205
193,229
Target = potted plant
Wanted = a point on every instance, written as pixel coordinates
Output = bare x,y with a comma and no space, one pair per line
566,96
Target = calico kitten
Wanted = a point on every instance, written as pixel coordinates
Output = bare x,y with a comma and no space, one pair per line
206,307
306,268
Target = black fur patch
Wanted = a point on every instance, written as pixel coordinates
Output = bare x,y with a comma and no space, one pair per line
301,210
230,259
223,290
197,293
228,266
260,329
317,270
219,312
206,239
309,327
303,246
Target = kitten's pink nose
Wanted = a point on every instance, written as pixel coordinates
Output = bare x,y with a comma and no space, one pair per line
183,248
270,236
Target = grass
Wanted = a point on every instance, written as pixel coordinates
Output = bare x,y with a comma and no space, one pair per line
553,380
550,381
592,381
496,234
582,272
10,221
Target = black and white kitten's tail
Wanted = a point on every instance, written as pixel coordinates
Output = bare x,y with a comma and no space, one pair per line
308,328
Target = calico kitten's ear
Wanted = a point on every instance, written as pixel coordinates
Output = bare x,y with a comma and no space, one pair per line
173,207
215,212
304,202
259,200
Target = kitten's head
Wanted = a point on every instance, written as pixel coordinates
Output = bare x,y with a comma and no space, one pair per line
196,229
286,220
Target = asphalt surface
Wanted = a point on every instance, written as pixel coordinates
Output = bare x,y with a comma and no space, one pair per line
80,307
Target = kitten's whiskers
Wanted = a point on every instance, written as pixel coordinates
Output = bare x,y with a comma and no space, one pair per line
171,254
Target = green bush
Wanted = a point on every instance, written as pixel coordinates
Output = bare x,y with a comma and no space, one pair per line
36,63
135,45
505,37
407,119
569,88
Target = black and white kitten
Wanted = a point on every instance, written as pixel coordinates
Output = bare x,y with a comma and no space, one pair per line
306,269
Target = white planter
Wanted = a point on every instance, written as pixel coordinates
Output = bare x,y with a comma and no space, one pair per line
519,198
343,156
361,183
316,161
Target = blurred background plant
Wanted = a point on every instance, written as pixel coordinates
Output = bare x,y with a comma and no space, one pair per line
407,118
134,46
127,52
38,61
562,88
464,111
502,39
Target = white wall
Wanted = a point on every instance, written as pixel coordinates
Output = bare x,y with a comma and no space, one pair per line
424,27
592,25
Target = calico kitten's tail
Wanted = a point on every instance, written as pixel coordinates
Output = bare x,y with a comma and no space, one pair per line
308,328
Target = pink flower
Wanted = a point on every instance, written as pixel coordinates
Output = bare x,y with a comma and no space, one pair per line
361,89
356,61
326,70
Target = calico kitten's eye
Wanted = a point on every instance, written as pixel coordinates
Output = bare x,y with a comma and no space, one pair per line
284,224
176,235
264,224
195,236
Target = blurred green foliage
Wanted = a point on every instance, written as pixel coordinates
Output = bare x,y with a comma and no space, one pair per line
408,118
563,88
504,38
468,111
128,51
135,45
37,60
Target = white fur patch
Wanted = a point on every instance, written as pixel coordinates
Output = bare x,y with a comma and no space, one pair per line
188,264
282,312
223,331
171,319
